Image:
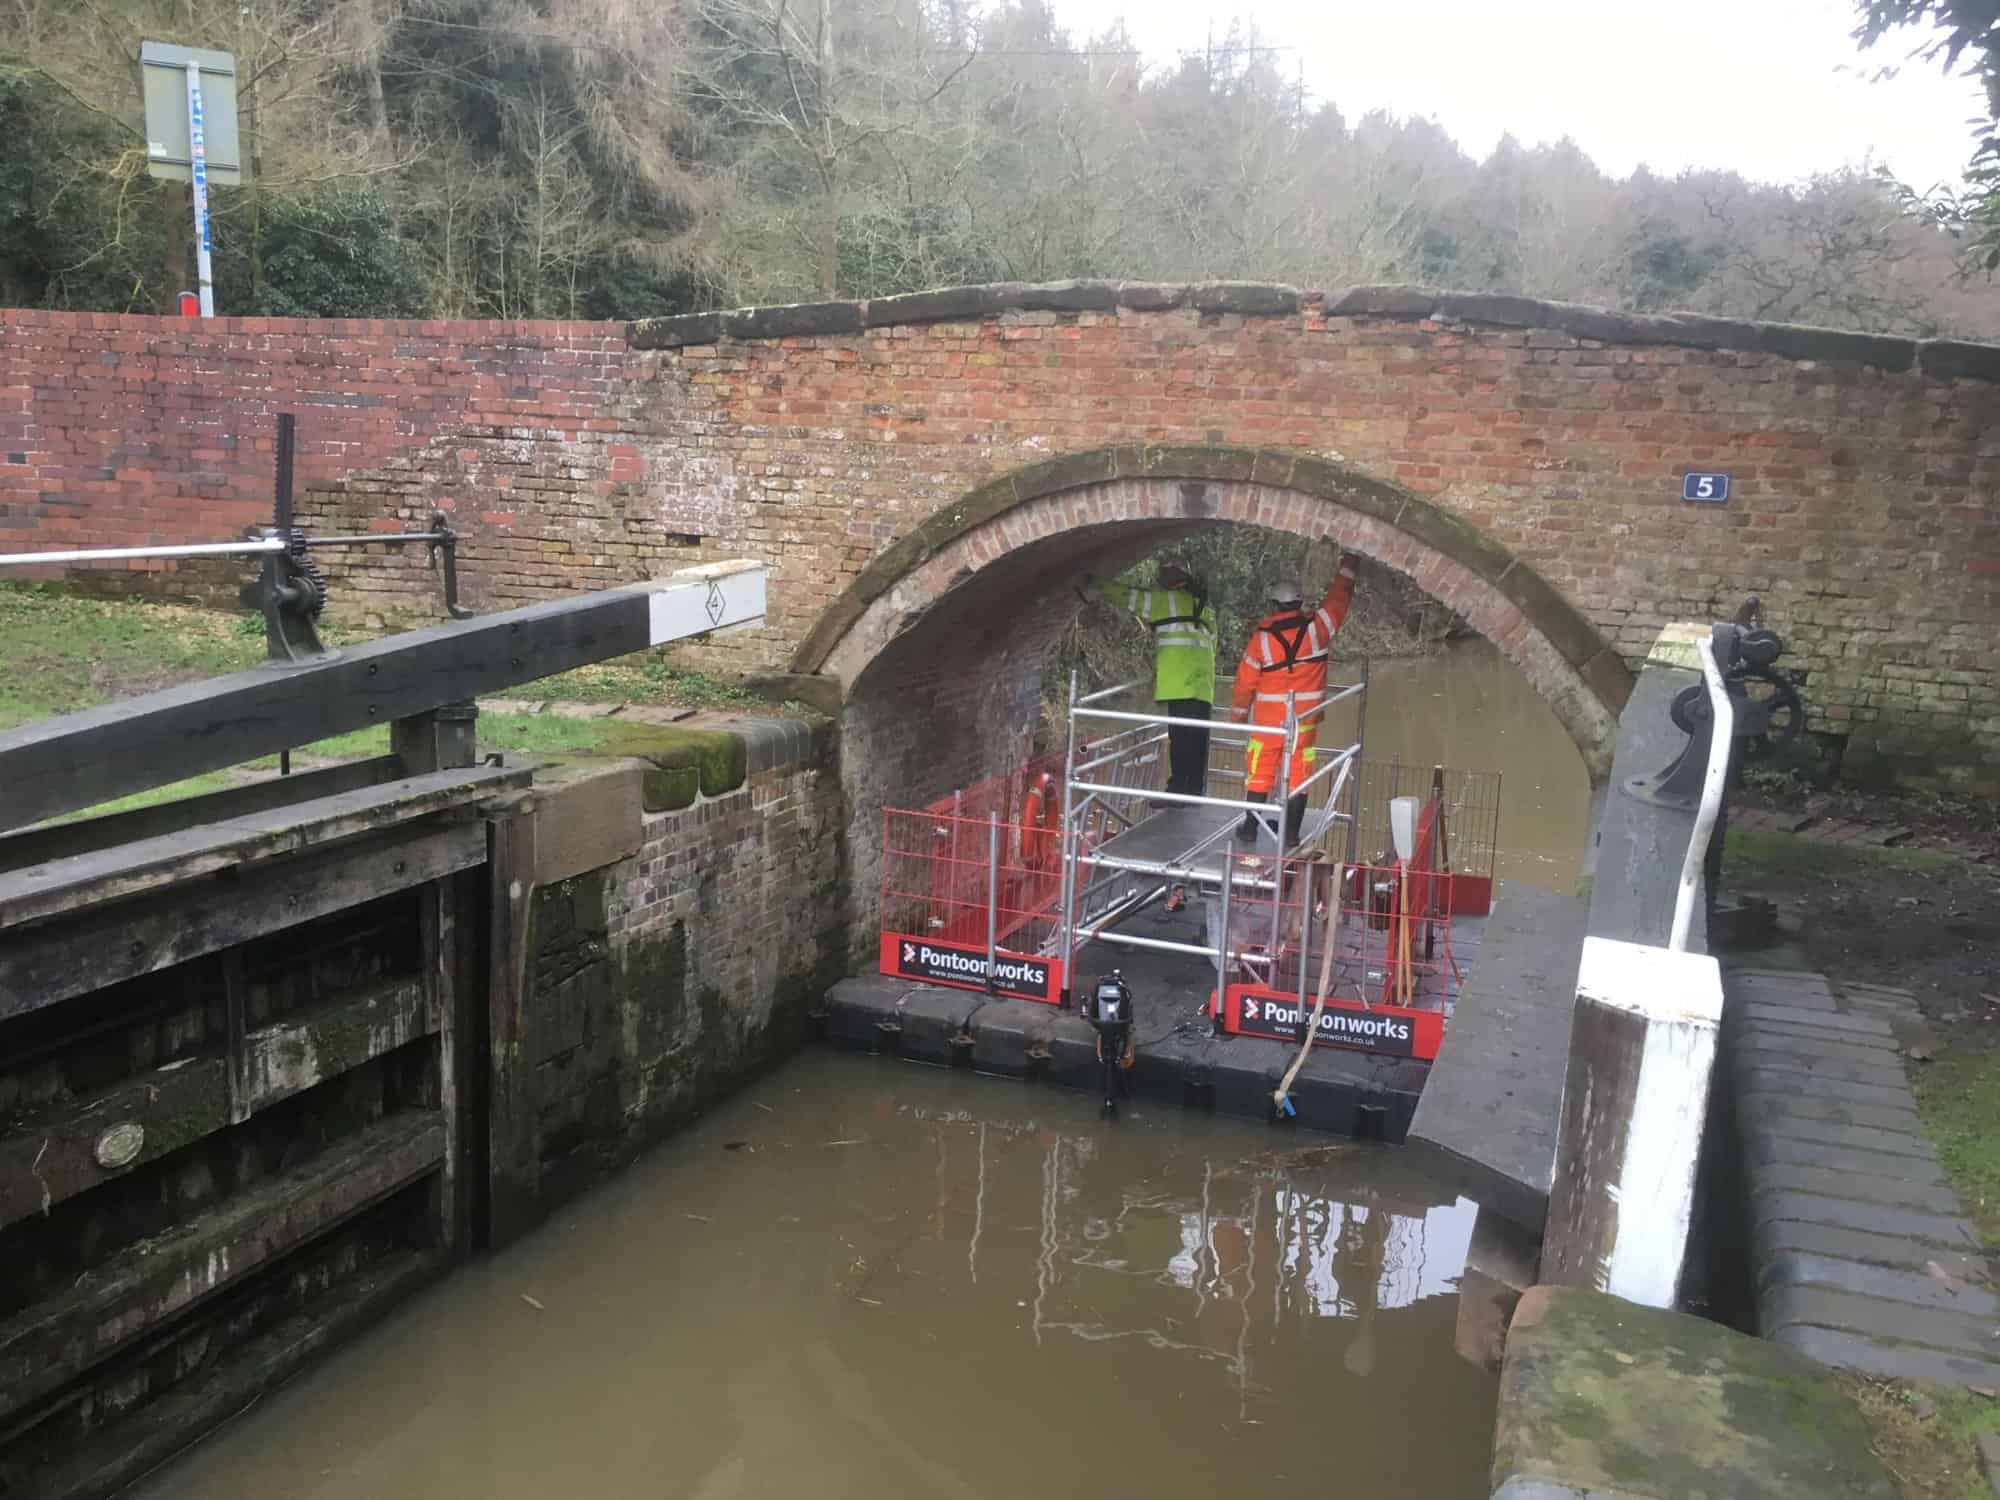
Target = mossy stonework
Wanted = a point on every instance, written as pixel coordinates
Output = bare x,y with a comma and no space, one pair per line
665,979
1600,1396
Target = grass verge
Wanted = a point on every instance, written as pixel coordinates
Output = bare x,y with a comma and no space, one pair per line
1958,1098
540,734
1752,854
1926,1436
66,652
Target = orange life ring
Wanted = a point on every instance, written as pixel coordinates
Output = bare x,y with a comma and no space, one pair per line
1039,814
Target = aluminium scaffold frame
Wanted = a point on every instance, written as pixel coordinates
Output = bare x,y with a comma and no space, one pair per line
1207,861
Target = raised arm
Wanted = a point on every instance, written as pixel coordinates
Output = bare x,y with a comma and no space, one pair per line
1133,601
1332,611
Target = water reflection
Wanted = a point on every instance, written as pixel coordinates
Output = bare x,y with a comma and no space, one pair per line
1251,1226
914,1282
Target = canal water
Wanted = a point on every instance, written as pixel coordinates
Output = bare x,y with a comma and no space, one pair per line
1469,708
866,1278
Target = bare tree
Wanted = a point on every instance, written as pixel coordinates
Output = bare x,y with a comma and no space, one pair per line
556,212
1835,250
814,97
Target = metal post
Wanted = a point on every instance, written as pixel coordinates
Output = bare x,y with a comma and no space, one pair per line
1361,765
1284,783
1066,884
198,159
1222,940
281,479
957,837
992,894
1305,931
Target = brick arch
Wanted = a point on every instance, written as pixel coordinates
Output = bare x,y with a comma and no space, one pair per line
1146,495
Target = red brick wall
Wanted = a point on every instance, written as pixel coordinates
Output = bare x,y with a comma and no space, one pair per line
129,429
1863,468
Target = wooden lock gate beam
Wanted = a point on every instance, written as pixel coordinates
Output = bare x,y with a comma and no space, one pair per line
76,761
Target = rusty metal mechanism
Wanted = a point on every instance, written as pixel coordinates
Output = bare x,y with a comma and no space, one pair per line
290,589
1766,720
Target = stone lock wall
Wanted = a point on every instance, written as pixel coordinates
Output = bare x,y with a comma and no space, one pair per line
667,976
816,437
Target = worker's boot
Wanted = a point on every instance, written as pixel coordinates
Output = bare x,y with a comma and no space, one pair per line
1246,831
1295,817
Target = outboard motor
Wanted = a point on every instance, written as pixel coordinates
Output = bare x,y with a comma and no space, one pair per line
1109,1012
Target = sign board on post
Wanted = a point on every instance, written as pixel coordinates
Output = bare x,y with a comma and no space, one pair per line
204,145
169,154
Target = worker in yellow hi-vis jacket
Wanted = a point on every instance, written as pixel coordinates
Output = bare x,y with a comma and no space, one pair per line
1183,627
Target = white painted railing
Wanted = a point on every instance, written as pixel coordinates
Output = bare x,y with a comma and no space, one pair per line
1714,784
253,547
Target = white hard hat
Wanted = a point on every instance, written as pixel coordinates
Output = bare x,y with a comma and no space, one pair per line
1286,591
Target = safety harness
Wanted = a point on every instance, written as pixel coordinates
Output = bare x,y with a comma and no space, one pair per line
1290,633
1195,592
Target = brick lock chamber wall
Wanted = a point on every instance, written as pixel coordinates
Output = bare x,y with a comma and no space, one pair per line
574,456
662,980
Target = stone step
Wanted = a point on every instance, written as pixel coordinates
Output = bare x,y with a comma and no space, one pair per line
1772,1129
1766,1102
1858,1187
1761,1077
1788,1151
1777,1237
1918,1288
1881,1071
1851,1351
1946,1231
1786,1305
1761,1036
1759,1012
1785,986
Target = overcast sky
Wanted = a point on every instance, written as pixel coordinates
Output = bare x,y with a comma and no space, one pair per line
1773,88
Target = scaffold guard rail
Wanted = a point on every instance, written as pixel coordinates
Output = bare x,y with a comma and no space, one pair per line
999,886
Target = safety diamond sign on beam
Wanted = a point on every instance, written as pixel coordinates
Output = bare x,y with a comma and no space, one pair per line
714,596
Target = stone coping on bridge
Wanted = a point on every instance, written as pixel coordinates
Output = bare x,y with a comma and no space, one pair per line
1940,359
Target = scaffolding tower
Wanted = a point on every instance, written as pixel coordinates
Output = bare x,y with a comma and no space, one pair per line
1186,839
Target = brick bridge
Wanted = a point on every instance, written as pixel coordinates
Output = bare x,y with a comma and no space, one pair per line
929,474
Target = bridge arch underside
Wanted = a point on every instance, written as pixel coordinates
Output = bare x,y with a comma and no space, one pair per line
942,666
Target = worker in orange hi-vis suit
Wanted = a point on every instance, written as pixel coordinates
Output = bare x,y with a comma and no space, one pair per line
1284,664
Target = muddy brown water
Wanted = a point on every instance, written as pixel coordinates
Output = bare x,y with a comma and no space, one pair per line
867,1278
1469,708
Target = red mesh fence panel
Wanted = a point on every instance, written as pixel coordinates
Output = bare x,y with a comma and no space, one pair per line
937,870
1393,946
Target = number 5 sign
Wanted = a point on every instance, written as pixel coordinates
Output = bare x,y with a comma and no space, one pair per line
1707,489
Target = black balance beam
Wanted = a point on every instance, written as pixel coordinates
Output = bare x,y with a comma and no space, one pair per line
76,761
